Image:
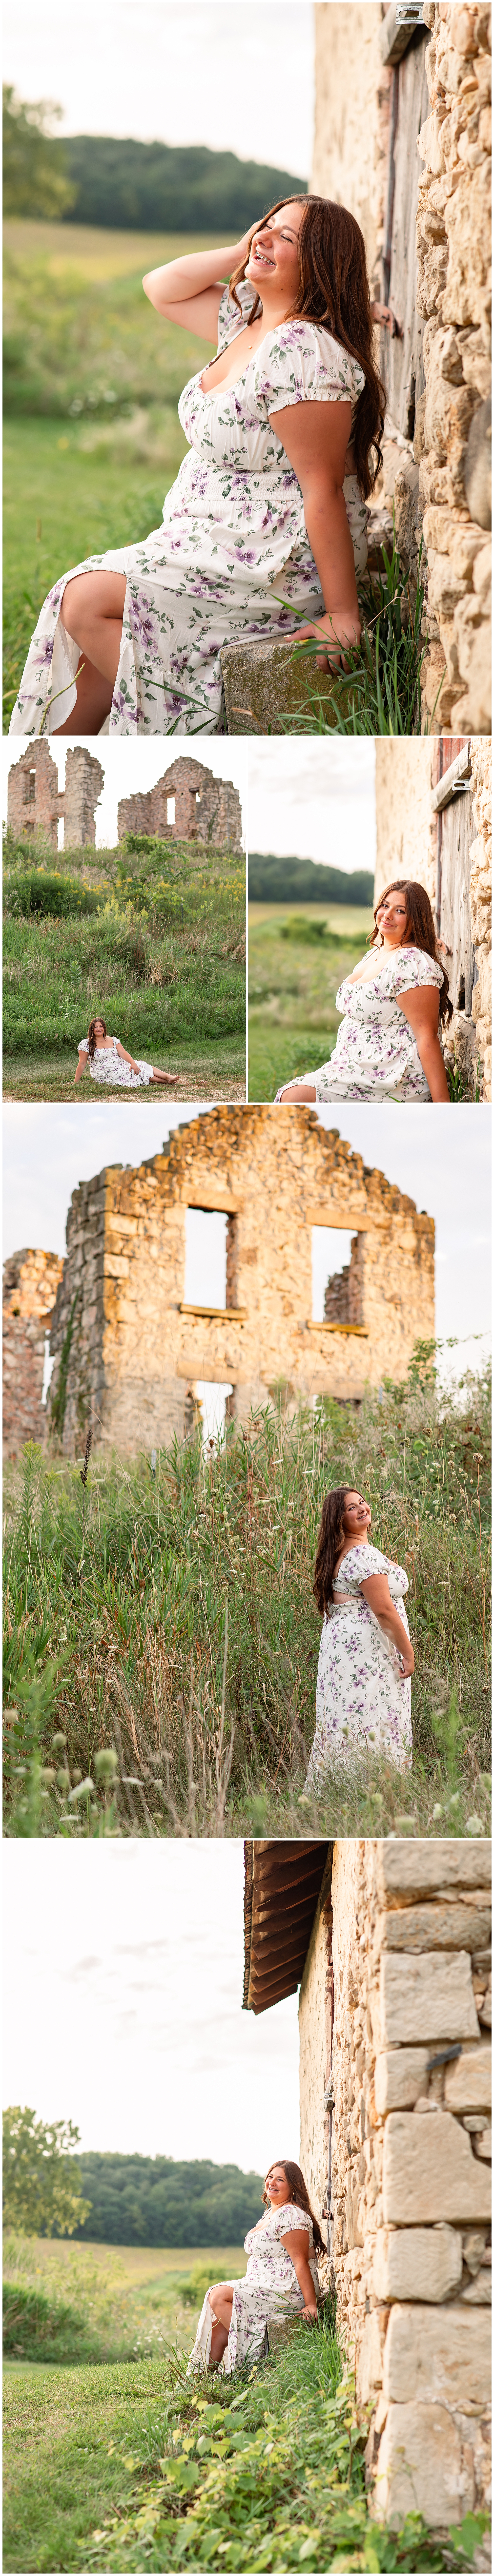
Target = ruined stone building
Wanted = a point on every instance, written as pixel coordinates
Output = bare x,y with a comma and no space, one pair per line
389,1943
402,137
205,808
35,803
130,1351
30,1283
433,822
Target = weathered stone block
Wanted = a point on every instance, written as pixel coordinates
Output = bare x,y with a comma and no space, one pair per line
429,2172
421,2468
444,1926
433,2355
264,686
467,2084
370,2356
427,1997
423,1867
400,2075
417,2262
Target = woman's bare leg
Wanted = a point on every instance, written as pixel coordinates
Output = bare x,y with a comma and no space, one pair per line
92,613
221,2302
298,1091
157,1076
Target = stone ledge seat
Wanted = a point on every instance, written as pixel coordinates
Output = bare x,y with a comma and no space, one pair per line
280,2329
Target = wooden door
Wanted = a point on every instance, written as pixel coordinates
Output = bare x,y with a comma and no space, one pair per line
457,833
401,360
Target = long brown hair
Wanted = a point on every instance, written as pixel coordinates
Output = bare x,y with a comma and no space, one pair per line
329,1545
333,289
98,1023
419,931
298,2196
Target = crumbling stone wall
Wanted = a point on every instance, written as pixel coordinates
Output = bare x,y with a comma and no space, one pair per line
399,2065
453,435
35,802
136,1350
206,808
30,1282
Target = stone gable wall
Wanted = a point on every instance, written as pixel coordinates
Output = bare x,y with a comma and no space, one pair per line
453,443
30,1282
407,1941
216,818
136,1351
35,803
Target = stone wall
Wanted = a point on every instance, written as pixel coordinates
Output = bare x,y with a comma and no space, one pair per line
406,828
481,903
404,1929
30,1282
352,99
35,803
408,841
206,808
137,1351
453,436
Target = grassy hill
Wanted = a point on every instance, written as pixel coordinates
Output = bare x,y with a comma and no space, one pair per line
153,939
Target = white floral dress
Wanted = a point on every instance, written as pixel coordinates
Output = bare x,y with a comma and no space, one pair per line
232,557
360,1700
270,2289
376,1056
107,1066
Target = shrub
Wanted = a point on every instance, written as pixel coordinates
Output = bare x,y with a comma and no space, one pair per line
54,897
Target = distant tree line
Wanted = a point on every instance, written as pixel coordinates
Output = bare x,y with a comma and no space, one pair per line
151,2200
274,880
129,186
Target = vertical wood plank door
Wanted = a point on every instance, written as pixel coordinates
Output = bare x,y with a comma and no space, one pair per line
458,833
401,360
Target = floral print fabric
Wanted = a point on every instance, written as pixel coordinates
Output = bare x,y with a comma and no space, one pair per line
111,1068
376,1056
233,527
270,2289
360,1700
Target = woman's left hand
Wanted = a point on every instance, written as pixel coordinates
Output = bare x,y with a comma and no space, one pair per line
382,313
310,2314
339,627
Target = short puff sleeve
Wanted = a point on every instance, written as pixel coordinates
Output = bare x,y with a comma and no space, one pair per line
230,321
83,1046
299,362
412,966
288,2218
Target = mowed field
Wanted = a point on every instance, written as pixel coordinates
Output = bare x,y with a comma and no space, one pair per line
93,376
293,980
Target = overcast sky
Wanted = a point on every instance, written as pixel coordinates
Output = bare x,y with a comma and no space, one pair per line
135,769
235,74
123,2004
314,800
442,1163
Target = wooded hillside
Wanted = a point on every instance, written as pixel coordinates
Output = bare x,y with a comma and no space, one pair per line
151,2200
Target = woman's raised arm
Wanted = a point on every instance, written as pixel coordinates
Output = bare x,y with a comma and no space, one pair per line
189,290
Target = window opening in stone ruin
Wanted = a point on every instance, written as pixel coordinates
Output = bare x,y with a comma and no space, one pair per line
211,1403
29,786
48,1367
170,809
331,1249
198,795
205,1257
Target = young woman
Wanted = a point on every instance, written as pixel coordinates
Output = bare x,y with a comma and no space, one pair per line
363,1684
109,1063
281,2279
267,516
388,1045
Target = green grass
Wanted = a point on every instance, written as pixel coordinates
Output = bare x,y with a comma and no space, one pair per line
162,958
79,328
73,2302
133,2468
123,1661
381,693
293,1020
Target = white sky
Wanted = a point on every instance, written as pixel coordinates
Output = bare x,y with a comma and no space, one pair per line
443,1164
131,770
314,800
123,2003
236,75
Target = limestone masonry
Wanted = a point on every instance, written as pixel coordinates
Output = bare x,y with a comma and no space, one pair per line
206,808
132,1351
30,1283
395,2078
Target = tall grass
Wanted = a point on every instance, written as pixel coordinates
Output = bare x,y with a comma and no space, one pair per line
382,689
163,1679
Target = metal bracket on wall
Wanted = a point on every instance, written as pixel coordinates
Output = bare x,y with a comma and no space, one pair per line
455,781
400,24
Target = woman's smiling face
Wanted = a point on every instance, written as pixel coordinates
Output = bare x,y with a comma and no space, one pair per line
391,915
356,1515
278,2190
273,261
